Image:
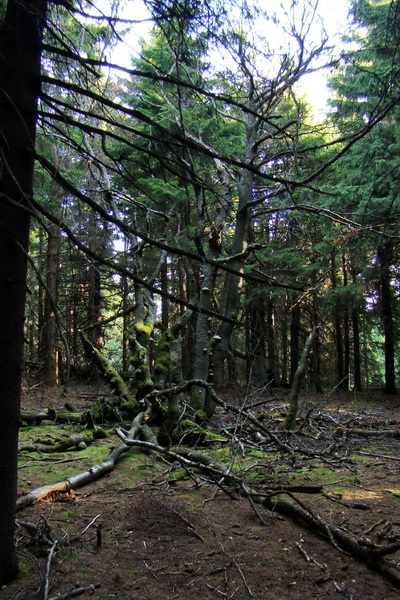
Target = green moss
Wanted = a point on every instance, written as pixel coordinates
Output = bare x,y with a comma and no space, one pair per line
200,416
128,408
191,429
162,362
178,475
23,571
144,327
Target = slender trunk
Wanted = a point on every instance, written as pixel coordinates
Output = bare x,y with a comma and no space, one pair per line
255,341
316,356
297,381
49,346
164,300
385,257
356,351
284,345
230,305
271,345
355,323
337,325
125,325
41,298
294,340
346,333
20,40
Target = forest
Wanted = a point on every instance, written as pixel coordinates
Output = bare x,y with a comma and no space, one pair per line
198,266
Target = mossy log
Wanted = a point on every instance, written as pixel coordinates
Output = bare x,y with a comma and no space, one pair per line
81,479
35,417
77,441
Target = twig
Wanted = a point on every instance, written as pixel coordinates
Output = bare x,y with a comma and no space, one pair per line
308,558
232,558
47,573
91,523
386,456
77,592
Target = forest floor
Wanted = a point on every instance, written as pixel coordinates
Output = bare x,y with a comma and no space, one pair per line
165,535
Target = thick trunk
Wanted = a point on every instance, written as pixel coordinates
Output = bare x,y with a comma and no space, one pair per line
20,39
94,308
346,332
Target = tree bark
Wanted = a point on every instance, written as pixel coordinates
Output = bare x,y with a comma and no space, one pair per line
385,257
337,325
230,305
49,346
346,332
356,350
297,381
20,52
294,339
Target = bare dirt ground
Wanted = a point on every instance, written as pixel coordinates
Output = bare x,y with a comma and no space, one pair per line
139,534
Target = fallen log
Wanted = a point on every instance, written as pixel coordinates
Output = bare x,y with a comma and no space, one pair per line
77,440
395,433
370,555
50,414
84,478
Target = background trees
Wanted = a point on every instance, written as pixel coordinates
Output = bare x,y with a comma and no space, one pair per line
193,219
369,189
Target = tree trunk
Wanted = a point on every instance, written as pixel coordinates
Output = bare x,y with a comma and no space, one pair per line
284,344
230,305
20,41
49,346
297,381
356,350
255,339
294,339
271,345
337,325
202,356
385,256
346,332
